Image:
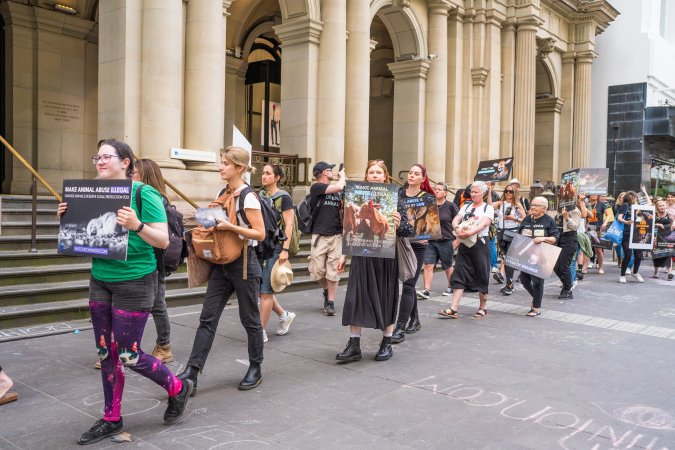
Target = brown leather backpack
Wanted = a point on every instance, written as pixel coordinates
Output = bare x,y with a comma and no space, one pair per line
216,246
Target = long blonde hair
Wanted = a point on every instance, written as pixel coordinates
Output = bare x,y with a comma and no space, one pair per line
379,163
239,157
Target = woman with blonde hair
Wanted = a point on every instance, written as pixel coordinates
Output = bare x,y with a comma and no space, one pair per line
372,290
227,279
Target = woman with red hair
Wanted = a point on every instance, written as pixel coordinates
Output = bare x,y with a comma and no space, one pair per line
417,186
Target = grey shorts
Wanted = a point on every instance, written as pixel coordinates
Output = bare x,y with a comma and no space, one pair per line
266,284
131,295
440,251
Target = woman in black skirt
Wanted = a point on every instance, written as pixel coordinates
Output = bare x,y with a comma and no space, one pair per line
372,291
472,266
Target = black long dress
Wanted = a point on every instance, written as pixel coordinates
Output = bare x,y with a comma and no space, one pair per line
372,290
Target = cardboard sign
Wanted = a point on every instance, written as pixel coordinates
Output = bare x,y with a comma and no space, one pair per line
535,259
368,219
642,229
89,226
593,181
422,214
494,170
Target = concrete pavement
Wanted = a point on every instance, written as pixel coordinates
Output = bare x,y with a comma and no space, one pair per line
595,372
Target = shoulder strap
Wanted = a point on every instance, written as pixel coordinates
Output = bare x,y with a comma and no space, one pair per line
242,196
159,255
139,201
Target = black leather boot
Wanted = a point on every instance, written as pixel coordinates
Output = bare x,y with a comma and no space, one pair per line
399,333
414,325
252,378
352,352
385,352
190,373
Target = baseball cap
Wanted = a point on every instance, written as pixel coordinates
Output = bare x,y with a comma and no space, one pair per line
514,181
321,166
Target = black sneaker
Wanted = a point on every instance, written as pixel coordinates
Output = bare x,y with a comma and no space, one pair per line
499,278
580,276
101,430
423,294
507,290
329,309
566,295
178,403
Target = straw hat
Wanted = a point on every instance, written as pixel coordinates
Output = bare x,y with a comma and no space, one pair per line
514,181
282,276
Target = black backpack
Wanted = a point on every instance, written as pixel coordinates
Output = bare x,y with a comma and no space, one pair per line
271,218
169,259
304,215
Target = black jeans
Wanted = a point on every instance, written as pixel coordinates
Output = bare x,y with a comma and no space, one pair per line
408,295
568,244
508,271
534,286
626,256
225,280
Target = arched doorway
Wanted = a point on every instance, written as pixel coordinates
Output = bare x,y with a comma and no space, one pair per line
381,122
547,123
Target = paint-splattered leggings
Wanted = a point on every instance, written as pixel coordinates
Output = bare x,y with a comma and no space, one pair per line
119,312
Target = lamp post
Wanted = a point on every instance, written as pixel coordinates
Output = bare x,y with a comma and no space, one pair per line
536,189
549,194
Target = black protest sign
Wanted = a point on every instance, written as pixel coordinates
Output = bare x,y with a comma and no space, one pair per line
494,170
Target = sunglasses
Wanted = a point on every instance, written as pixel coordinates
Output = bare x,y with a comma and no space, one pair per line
508,192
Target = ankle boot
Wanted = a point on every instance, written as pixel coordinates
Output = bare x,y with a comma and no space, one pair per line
190,373
399,333
414,325
385,352
252,378
352,352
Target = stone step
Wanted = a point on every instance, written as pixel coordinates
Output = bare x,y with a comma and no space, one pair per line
25,202
25,215
23,227
38,313
24,258
23,242
15,276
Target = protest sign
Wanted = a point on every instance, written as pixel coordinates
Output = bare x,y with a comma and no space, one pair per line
494,170
642,229
569,189
422,214
535,259
593,181
89,225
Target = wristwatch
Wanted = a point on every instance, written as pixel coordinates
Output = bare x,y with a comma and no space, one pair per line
284,249
140,227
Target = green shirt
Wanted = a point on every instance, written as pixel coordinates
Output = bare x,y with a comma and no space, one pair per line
140,255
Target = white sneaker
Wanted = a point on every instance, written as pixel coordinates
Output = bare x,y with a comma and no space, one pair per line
285,324
638,278
494,270
447,292
622,279
574,285
590,265
265,338
629,271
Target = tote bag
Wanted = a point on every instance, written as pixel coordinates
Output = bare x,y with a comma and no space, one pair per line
407,261
615,233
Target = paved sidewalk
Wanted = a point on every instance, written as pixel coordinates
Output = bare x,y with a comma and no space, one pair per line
595,372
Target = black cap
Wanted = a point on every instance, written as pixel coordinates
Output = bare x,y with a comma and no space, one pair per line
321,166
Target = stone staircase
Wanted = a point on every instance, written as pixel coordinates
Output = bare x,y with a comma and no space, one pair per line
42,287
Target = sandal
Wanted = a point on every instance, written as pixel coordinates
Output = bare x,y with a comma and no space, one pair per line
480,313
448,313
533,313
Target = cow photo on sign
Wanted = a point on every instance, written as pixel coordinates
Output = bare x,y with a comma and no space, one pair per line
89,226
494,170
368,221
569,189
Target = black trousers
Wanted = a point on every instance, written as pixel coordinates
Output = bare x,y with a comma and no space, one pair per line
568,244
508,271
408,296
225,280
534,286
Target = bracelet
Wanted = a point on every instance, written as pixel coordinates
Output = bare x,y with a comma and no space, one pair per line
284,250
140,227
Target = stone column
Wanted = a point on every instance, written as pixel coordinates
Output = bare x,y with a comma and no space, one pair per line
204,75
235,108
567,114
119,72
437,91
508,83
357,88
455,81
582,110
300,44
330,114
161,80
409,106
524,110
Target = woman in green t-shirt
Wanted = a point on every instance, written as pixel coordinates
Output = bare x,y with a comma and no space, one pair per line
121,295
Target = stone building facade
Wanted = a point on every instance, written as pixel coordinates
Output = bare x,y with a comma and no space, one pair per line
443,82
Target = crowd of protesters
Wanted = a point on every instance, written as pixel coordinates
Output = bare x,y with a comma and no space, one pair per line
477,227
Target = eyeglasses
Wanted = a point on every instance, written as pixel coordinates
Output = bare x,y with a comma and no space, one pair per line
508,192
105,159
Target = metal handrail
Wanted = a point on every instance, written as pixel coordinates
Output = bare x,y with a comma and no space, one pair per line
181,194
30,168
